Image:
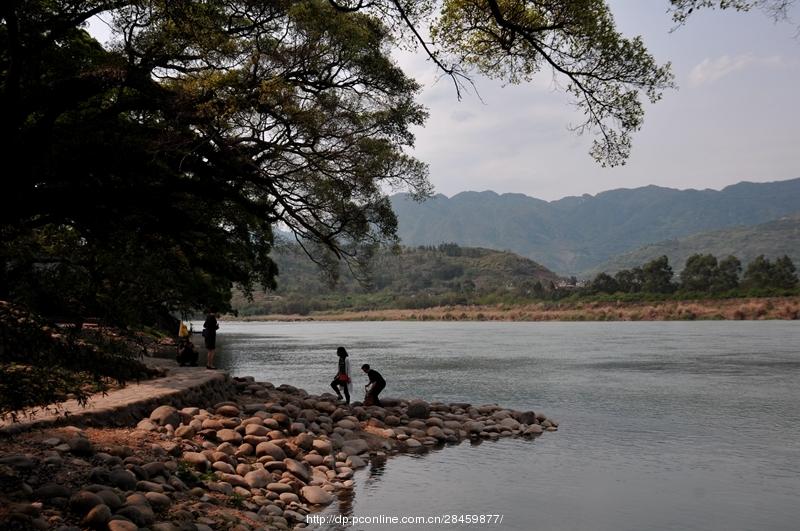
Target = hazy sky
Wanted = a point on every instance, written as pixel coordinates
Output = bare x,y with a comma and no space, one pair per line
734,117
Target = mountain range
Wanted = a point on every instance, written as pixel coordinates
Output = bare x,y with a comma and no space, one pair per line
577,235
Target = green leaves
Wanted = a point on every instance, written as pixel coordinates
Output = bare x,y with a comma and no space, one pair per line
577,43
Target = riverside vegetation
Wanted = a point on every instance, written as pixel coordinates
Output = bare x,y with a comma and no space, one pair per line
454,282
265,458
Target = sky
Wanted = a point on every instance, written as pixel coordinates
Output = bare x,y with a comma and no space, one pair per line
735,116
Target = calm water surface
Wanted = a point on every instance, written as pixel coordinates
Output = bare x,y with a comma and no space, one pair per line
664,426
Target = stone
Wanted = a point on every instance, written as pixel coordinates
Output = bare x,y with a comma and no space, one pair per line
158,501
110,499
355,447
146,425
222,466
436,432
97,517
82,502
473,427
356,462
418,409
304,441
509,423
51,490
279,487
139,515
229,436
322,446
534,429
163,415
149,486
197,460
347,424
344,473
298,469
185,432
289,497
212,424
228,411
124,479
257,479
271,449
156,468
22,462
316,495
122,525
259,430
244,450
80,446
273,466
313,459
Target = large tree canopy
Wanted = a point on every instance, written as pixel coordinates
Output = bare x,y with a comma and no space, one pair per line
149,173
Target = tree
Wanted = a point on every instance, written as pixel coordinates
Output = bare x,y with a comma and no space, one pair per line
630,280
203,125
758,274
192,138
657,276
784,273
726,277
604,283
699,272
682,9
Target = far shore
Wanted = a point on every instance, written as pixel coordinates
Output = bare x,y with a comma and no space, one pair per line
744,309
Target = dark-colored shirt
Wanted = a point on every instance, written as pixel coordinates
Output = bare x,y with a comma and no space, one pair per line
210,326
375,377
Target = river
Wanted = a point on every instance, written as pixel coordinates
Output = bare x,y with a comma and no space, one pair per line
663,425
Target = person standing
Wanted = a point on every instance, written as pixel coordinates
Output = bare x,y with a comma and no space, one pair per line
374,387
210,327
342,379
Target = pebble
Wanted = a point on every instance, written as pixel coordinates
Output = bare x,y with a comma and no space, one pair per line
266,461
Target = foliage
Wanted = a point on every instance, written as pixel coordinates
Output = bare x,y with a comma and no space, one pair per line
682,9
772,239
401,278
701,275
763,274
41,365
160,162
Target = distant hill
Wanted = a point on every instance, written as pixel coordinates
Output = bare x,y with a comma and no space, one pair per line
772,239
577,234
412,277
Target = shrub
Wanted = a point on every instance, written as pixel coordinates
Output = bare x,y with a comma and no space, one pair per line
42,365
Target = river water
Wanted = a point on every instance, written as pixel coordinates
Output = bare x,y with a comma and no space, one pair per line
663,425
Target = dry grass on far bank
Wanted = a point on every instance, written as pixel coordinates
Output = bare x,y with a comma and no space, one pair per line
770,308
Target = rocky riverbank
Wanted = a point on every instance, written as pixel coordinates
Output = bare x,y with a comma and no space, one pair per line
263,459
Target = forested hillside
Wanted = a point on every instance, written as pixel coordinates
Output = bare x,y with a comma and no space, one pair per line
577,234
400,278
772,239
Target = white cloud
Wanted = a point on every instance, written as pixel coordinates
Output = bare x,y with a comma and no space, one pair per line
711,70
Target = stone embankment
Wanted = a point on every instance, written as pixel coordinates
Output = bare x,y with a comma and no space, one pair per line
262,459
